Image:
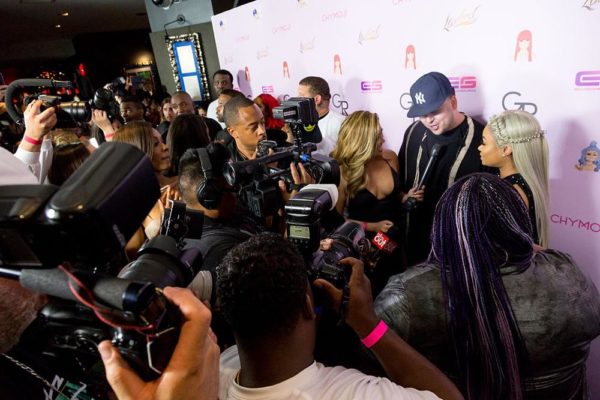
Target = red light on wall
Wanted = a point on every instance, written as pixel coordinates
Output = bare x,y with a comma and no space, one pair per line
81,69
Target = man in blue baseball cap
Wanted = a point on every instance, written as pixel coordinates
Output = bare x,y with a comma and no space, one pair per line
440,123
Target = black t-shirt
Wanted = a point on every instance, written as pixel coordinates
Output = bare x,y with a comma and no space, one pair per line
20,383
420,220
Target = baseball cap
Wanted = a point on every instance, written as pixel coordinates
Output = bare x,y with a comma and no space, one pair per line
428,93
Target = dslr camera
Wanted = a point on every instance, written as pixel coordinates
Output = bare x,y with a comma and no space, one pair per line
69,113
63,241
349,240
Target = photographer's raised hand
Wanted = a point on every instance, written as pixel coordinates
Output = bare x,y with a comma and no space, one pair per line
100,119
37,125
192,372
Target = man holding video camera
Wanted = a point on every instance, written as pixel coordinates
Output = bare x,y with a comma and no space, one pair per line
265,295
246,125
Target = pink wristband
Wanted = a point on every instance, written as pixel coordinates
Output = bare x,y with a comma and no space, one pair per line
376,334
32,140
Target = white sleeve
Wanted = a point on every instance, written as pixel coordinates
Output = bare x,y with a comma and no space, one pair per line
211,112
37,162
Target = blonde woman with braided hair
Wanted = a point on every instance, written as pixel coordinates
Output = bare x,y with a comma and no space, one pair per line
514,143
369,190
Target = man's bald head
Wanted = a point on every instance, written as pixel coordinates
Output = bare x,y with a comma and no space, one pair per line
182,103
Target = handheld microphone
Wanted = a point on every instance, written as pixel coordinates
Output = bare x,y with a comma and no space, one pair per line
435,152
383,243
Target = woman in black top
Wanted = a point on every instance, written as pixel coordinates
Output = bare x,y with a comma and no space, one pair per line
514,143
369,190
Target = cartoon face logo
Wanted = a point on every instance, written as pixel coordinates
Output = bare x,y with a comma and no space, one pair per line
337,65
589,159
523,47
286,70
410,57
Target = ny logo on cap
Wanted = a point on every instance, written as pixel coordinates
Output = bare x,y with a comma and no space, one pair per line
420,98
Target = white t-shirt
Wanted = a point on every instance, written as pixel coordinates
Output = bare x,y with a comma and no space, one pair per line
211,112
329,126
314,382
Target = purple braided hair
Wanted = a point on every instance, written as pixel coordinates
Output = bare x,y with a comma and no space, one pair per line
481,225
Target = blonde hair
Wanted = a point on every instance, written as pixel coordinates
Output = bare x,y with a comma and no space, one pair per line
523,133
139,134
356,144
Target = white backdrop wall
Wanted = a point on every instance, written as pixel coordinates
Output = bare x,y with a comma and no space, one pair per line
269,45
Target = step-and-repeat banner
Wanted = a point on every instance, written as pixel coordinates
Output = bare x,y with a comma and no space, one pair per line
541,57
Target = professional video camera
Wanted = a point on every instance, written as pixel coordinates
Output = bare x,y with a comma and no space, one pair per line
257,180
69,113
297,111
79,227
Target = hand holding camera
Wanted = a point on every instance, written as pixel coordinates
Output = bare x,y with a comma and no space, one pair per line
38,123
192,369
358,311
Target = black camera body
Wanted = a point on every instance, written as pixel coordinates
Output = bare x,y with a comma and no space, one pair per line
348,241
63,241
257,180
104,100
304,214
297,111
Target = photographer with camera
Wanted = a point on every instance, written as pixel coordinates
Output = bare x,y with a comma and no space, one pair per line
35,149
204,189
265,295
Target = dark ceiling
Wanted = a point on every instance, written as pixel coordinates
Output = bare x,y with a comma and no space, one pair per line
27,20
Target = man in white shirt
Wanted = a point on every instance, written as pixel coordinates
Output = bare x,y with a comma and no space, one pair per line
329,121
222,79
265,296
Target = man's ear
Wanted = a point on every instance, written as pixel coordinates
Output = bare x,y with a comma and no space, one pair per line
318,99
454,102
232,132
309,309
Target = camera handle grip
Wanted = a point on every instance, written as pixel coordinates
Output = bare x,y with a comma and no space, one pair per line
20,83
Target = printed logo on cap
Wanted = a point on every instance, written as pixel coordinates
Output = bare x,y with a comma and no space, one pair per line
420,98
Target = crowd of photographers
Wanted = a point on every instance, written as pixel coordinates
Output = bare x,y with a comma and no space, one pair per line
297,234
